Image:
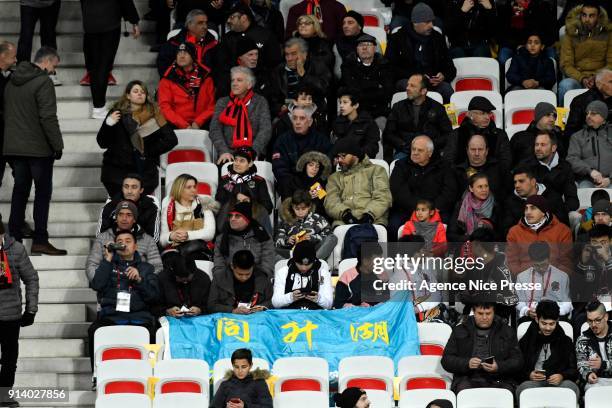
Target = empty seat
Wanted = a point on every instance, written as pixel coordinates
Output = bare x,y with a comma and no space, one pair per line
123,377
297,399
598,397
182,376
123,400
179,400
418,372
433,337
519,105
420,398
205,173
476,73
222,366
301,374
486,398
120,342
546,397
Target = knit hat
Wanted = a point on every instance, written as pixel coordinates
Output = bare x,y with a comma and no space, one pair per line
602,206
355,15
599,108
542,109
189,48
304,253
366,38
127,204
481,103
242,9
349,397
422,13
247,152
244,45
348,145
539,201
243,208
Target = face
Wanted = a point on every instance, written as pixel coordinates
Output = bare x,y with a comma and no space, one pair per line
312,169
605,84
480,188
346,161
423,28
477,151
131,189
242,275
241,164
305,28
346,106
423,212
240,83
303,268
8,58
547,122
189,192
363,402
594,120
249,59
534,45
301,121
598,322
198,26
533,214
524,185
350,28
137,95
600,241
479,118
50,64
366,50
237,222
547,326
241,368
125,219
183,59
184,279
292,54
484,317
544,149
602,218
589,17
419,152
541,266
301,210
304,99
237,22
414,89
130,245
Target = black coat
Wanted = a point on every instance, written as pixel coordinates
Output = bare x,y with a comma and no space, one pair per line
577,116
222,297
148,215
269,52
215,16
539,17
562,358
363,130
104,16
471,28
320,51
257,189
500,181
271,19
253,391
522,143
524,66
375,83
3,81
195,293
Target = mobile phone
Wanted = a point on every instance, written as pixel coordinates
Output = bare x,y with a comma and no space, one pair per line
488,360
305,291
540,371
184,309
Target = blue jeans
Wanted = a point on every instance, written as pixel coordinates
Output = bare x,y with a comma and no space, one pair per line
565,85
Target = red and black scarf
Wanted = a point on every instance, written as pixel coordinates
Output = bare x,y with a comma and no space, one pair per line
314,8
237,116
5,268
189,81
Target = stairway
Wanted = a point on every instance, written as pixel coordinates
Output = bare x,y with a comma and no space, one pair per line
53,351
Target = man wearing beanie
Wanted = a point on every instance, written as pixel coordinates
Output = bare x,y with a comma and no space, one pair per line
186,92
352,397
358,193
601,215
539,224
418,48
305,283
590,149
470,27
602,91
329,13
352,28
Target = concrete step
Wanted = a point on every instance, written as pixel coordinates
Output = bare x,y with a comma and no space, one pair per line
54,365
61,194
74,246
64,26
77,398
74,43
70,9
66,296
51,348
70,381
72,76
72,229
81,159
70,177
68,313
72,278
63,212
88,127
80,142
51,263
55,330
131,59
70,91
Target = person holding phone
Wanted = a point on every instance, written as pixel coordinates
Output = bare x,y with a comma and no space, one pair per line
242,386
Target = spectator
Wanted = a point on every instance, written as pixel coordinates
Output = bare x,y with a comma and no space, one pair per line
593,277
102,28
482,352
320,50
470,27
359,192
241,287
426,222
418,48
195,33
585,47
293,144
479,120
590,149
241,119
186,92
215,10
549,354
420,176
242,231
188,224
554,285
243,386
329,13
571,4
532,67
126,214
522,143
356,123
593,348
416,115
352,397
148,210
33,139
183,288
305,283
8,53
312,170
602,91
440,403
126,288
539,224
601,212
268,16
300,223
402,10
372,74
16,268
31,11
346,43
134,135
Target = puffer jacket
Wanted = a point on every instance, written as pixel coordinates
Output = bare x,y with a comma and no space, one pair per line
364,189
363,130
584,52
255,239
438,243
591,149
587,345
252,390
22,270
314,224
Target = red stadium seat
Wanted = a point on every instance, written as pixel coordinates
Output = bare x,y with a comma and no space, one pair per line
124,387
370,21
425,382
368,383
181,386
300,384
122,353
523,116
474,84
431,350
204,189
187,155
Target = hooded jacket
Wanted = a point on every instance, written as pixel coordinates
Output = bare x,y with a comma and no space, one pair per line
363,189
587,345
301,181
254,238
314,224
148,215
525,66
363,130
252,390
222,298
31,127
577,114
205,50
522,143
591,149
583,51
11,301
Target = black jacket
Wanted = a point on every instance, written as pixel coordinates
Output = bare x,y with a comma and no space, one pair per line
301,180
104,16
577,116
171,293
522,143
167,52
320,51
514,208
500,181
257,188
524,66
3,81
222,297
503,346
269,52
363,130
410,53
562,358
148,216
469,29
539,17
401,129
375,83
215,16
252,390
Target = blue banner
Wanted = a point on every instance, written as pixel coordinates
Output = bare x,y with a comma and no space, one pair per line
388,329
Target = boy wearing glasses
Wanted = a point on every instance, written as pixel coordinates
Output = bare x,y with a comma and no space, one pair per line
594,348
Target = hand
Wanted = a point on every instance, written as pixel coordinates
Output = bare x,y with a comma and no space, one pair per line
114,117
179,236
348,217
536,376
490,368
531,313
486,4
529,84
174,312
592,378
291,240
108,255
313,194
194,311
27,319
313,297
231,404
555,379
57,155
194,125
133,274
474,363
301,62
241,310
225,157
256,309
596,176
467,5
436,79
243,198
297,295
366,219
602,252
595,363
217,4
588,82
605,182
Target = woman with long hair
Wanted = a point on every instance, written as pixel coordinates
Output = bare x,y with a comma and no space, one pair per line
134,135
320,49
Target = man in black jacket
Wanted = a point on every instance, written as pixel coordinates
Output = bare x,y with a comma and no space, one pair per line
8,53
352,29
482,352
355,122
416,115
548,353
470,26
602,91
419,48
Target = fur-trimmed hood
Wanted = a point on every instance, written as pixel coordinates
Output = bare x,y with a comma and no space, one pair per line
256,374
209,203
286,214
574,28
315,156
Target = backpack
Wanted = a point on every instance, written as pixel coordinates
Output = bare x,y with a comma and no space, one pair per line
355,236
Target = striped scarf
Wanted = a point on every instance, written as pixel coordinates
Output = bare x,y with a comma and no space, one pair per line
237,116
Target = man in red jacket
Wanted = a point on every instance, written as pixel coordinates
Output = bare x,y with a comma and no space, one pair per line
186,91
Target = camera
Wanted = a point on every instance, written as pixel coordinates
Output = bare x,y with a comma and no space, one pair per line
114,246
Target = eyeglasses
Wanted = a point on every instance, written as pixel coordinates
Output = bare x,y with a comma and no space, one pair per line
595,321
303,23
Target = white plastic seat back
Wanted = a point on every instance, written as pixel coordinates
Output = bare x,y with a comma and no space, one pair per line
221,367
512,130
415,367
206,267
182,376
420,398
289,368
203,172
295,399
486,397
598,397
345,265
109,338
284,7
476,68
123,400
179,399
523,102
353,370
434,333
570,95
123,376
190,139
553,397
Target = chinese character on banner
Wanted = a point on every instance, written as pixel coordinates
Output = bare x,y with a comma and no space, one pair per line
370,331
239,329
297,330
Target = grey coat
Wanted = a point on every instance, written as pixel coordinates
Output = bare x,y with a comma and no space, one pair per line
591,149
21,270
31,127
147,248
259,115
263,251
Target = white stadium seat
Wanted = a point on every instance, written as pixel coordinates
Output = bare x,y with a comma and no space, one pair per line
222,366
301,399
284,7
476,73
570,95
179,399
486,398
345,265
194,145
598,397
120,342
420,398
182,376
545,397
206,267
340,232
205,173
371,373
123,400
519,106
381,163
422,372
123,377
461,101
433,337
301,374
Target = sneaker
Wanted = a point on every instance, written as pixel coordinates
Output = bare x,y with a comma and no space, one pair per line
111,80
99,113
55,79
85,81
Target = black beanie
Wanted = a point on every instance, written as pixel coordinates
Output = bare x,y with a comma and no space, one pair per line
244,45
243,208
348,145
349,397
304,253
355,15
190,49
